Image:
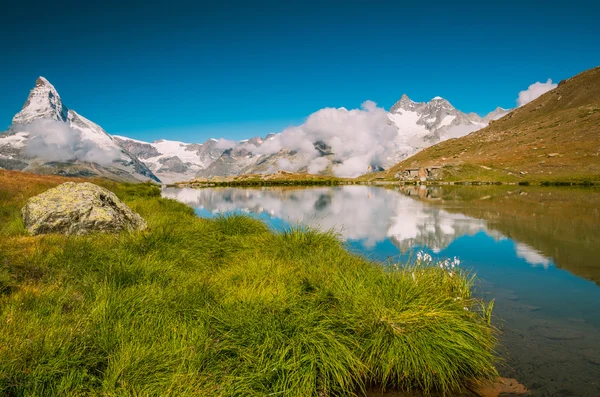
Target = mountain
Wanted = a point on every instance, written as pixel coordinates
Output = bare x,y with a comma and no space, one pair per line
496,114
418,125
173,161
46,137
554,137
422,124
247,158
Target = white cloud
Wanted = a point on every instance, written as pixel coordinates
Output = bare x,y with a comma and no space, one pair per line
534,91
53,140
358,138
286,165
531,256
225,144
317,165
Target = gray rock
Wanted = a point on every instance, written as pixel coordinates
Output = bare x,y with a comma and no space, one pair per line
173,164
79,208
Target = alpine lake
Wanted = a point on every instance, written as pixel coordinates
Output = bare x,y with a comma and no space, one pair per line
535,252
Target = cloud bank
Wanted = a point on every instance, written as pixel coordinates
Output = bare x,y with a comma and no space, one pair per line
534,91
53,140
358,140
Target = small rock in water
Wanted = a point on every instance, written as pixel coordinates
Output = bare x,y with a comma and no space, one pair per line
79,208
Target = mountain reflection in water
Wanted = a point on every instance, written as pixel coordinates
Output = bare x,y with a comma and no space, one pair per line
365,214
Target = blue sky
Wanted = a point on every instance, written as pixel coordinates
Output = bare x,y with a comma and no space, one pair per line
191,70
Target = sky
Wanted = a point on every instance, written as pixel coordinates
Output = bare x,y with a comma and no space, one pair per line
193,70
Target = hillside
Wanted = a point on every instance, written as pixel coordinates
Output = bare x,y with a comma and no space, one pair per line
555,137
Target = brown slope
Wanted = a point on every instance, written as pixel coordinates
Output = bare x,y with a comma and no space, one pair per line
555,137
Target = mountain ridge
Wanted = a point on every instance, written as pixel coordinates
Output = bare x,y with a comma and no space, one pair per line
418,125
556,136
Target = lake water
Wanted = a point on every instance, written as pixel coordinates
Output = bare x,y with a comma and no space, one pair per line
536,252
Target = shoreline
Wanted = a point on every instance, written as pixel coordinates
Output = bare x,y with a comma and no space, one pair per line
333,182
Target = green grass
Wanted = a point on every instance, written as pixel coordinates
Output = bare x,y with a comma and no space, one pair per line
226,307
309,180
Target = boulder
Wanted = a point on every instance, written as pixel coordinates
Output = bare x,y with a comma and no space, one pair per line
79,208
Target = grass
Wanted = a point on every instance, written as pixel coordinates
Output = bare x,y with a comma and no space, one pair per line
223,307
278,179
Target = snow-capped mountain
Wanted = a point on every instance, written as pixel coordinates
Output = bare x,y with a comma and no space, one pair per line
173,161
47,137
43,102
418,125
423,124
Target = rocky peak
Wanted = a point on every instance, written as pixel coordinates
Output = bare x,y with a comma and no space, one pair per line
405,103
42,81
496,114
43,102
440,103
474,117
256,141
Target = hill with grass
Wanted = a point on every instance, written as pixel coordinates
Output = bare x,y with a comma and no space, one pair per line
553,138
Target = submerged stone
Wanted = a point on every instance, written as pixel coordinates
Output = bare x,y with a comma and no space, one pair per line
79,208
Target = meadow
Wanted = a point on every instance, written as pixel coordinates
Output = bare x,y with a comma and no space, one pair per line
224,307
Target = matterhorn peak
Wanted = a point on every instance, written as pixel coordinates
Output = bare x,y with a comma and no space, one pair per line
42,81
43,102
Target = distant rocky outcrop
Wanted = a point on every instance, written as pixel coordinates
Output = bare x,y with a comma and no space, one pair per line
173,161
79,208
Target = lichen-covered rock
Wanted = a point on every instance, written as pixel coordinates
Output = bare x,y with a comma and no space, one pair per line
79,208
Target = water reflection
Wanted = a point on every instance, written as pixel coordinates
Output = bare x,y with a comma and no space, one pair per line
549,226
364,214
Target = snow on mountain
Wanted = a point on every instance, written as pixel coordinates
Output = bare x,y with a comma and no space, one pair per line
48,137
43,102
173,161
422,124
